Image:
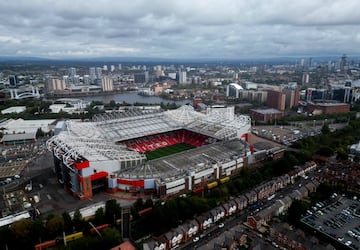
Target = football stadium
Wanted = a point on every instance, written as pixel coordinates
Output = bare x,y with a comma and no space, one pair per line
149,151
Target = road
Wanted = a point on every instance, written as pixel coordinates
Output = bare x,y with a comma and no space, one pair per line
240,218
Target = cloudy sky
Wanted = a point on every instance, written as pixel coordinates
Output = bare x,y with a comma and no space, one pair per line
179,28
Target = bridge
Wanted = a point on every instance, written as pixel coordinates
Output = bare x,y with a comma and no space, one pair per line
33,94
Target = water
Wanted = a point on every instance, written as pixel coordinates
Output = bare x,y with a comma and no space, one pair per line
131,98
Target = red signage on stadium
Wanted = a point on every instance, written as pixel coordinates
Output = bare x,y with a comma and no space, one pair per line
134,183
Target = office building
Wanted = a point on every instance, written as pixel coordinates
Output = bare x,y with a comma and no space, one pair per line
141,77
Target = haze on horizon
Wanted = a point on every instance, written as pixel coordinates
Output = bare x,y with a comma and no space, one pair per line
229,29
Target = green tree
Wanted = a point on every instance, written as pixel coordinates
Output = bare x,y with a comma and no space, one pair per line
325,129
342,153
39,133
78,221
149,203
55,226
68,223
296,210
111,238
112,211
112,104
99,216
4,237
22,235
325,151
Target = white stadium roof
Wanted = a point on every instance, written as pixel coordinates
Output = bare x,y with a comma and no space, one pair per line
98,140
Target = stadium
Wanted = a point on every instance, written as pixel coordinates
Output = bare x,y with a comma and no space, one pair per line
150,151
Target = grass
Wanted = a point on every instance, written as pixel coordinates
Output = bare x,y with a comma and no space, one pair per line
161,152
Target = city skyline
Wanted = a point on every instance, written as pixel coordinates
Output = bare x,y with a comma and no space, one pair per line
179,29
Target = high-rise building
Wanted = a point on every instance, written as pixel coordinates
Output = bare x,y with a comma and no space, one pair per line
112,68
305,78
66,81
98,73
276,100
343,63
105,67
159,71
57,84
120,66
92,73
233,90
76,79
141,77
182,76
86,79
72,72
107,84
172,75
13,81
292,97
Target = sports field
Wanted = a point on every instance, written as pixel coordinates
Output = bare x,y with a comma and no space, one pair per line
161,152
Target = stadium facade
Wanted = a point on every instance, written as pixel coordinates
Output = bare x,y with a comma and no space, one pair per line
110,152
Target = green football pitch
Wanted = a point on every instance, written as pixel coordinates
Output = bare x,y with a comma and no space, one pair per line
161,152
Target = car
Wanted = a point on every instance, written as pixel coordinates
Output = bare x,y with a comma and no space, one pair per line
348,243
196,239
275,244
221,225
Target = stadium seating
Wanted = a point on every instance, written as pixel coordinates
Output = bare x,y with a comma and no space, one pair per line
153,142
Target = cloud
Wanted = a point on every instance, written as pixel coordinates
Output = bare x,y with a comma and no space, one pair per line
179,29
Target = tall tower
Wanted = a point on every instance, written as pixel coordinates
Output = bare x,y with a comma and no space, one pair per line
182,76
72,72
343,64
92,73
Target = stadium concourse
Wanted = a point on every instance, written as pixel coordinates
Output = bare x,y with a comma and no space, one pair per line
150,151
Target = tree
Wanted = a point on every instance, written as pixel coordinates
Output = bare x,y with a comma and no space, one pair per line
112,104
325,151
99,216
55,226
149,203
39,133
112,211
296,210
342,153
78,220
325,129
111,237
22,234
68,223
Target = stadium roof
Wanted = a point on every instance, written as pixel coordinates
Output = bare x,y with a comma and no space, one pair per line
99,140
193,160
267,111
18,137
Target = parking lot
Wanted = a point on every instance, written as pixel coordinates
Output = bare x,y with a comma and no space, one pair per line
338,219
10,171
287,135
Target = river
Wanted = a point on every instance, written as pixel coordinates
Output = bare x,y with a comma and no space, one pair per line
131,98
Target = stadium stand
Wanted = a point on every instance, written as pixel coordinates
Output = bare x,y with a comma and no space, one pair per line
106,152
